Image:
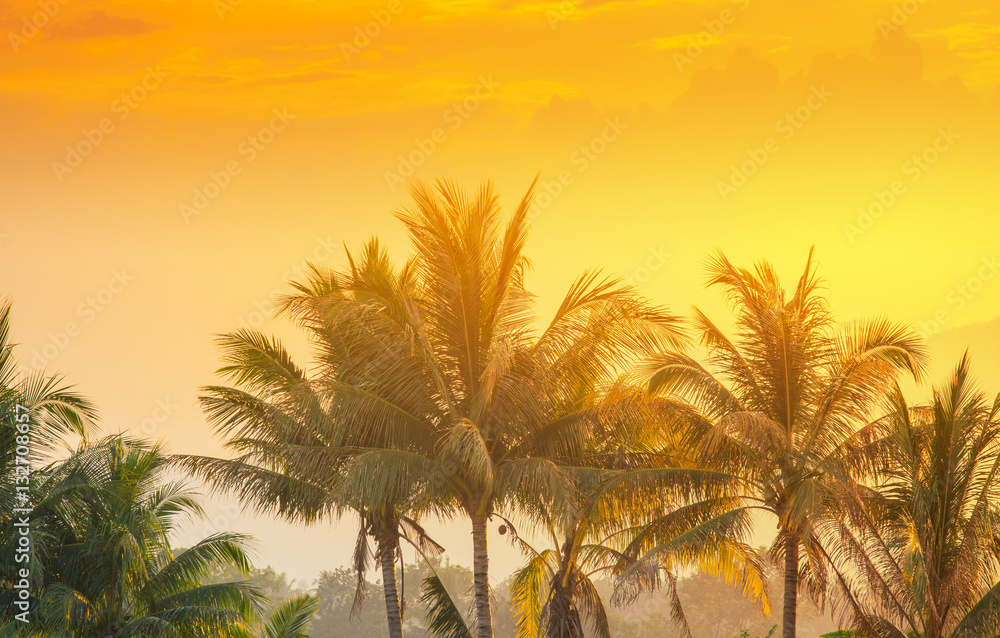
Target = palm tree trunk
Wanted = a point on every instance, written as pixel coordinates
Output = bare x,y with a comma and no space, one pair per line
480,574
387,556
563,615
791,585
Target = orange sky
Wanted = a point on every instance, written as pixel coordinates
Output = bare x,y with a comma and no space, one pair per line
176,162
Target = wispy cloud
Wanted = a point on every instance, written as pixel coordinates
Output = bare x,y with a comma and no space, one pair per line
100,24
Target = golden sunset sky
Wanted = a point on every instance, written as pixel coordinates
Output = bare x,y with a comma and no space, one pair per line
166,166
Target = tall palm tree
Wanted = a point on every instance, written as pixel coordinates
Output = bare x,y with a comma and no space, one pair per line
919,553
435,377
501,423
104,563
774,406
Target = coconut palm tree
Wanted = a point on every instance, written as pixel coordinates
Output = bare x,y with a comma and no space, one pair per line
435,376
104,566
919,553
303,448
631,436
503,422
774,406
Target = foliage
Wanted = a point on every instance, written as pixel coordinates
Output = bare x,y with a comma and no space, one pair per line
920,549
291,618
36,411
774,409
434,389
746,633
444,618
335,590
101,561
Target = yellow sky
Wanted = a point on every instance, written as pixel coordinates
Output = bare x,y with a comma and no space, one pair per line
166,166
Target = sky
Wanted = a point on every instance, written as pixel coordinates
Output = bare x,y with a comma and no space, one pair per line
166,167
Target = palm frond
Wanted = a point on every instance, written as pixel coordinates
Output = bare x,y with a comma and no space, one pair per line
444,619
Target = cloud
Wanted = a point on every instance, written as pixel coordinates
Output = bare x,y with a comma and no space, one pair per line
882,98
972,36
680,41
299,78
564,117
891,80
746,79
99,24
209,79
898,59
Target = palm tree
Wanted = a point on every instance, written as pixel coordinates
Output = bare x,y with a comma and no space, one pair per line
104,560
775,406
502,421
303,448
270,475
433,376
920,552
616,506
554,593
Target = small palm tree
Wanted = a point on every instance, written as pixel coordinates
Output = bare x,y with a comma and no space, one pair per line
103,561
775,407
919,553
553,594
616,507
